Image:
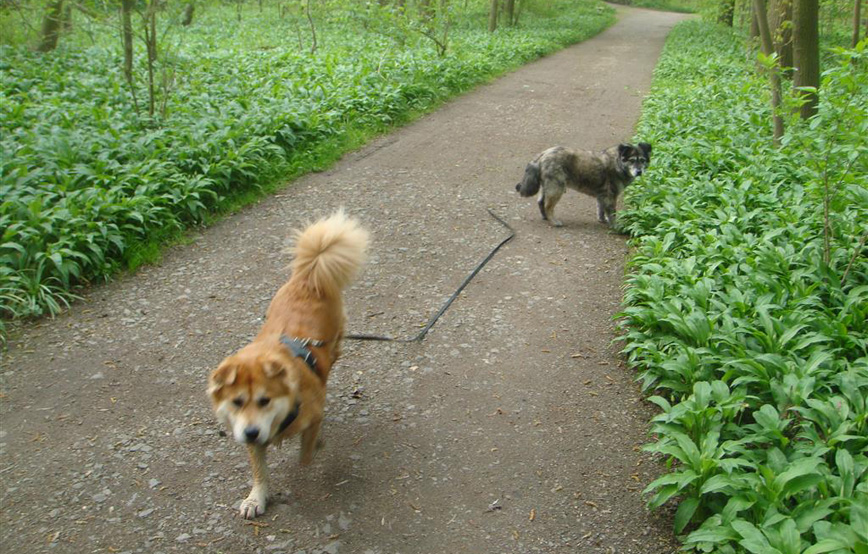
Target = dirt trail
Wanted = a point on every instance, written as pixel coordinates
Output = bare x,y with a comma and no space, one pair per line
512,428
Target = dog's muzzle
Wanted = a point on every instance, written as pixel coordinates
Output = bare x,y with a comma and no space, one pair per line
251,434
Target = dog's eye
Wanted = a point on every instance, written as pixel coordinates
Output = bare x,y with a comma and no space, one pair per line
238,402
263,402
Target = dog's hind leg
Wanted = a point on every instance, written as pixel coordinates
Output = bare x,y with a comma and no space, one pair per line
309,443
254,504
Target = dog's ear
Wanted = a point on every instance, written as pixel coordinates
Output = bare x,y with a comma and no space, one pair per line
624,150
273,368
646,149
223,376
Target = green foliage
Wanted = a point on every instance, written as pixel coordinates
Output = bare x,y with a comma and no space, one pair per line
86,180
747,307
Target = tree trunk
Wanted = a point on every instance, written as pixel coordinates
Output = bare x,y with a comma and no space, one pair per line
781,26
67,18
51,26
727,11
127,7
188,14
774,77
754,27
313,45
509,9
153,6
806,52
492,17
151,44
857,19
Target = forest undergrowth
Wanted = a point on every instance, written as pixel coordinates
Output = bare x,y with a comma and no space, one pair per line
746,306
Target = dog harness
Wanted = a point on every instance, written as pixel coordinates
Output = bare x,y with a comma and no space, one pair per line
287,421
299,349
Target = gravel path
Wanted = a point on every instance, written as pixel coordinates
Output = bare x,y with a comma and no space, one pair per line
514,427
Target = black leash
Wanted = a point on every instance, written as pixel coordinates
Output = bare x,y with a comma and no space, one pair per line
451,299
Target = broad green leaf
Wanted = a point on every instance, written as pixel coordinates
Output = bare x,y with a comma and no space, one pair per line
767,417
753,539
661,402
859,517
827,545
735,505
716,483
846,469
719,534
791,542
808,514
685,512
801,483
800,469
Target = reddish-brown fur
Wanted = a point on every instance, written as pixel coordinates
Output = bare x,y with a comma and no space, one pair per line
261,384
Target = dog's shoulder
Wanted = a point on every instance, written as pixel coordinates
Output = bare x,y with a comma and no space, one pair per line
610,155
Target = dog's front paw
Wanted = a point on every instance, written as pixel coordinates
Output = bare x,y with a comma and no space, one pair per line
252,506
556,222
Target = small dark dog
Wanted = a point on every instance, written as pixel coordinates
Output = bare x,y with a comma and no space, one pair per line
603,175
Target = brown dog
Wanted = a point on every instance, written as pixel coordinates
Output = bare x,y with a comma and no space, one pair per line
275,387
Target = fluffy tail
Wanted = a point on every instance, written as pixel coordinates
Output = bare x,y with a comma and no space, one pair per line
529,184
329,252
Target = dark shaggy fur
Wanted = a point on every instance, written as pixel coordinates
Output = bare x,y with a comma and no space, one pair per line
603,175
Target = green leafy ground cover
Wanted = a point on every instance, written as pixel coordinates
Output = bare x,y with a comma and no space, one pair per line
85,180
748,322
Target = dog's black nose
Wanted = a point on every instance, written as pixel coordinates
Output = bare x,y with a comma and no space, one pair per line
251,434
